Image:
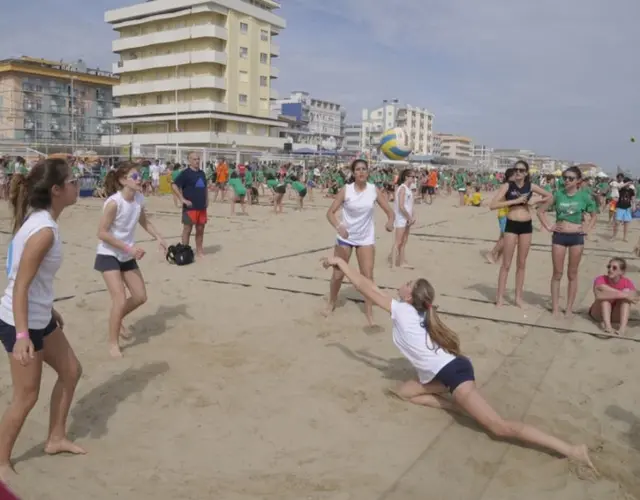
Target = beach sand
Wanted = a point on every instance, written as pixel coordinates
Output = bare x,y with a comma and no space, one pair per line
234,386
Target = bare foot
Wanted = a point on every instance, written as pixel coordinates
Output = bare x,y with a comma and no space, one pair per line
625,240
63,446
370,322
115,352
489,257
124,333
580,453
607,329
6,472
556,314
568,314
621,331
331,306
406,265
200,255
499,303
519,303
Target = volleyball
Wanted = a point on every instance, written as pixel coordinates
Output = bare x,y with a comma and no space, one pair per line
394,144
633,139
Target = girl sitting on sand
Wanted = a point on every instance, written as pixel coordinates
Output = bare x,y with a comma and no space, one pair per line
614,295
117,254
434,351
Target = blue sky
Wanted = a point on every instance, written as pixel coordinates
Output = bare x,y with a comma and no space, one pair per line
558,77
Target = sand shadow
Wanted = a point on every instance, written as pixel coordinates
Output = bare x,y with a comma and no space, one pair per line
155,324
91,413
396,369
211,249
633,435
532,298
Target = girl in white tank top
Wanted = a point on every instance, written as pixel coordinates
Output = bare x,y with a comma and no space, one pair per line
357,228
117,254
403,209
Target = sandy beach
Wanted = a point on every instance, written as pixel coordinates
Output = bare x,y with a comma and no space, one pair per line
234,387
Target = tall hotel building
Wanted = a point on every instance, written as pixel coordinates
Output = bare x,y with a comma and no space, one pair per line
197,73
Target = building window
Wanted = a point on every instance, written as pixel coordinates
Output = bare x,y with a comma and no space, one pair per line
263,81
243,99
244,28
244,52
264,104
264,58
242,128
244,76
264,35
158,99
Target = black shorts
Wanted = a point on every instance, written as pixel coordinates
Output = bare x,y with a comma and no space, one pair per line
431,190
456,372
110,263
423,189
519,227
37,335
567,239
280,189
303,193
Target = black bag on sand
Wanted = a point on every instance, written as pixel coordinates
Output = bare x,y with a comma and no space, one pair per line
180,255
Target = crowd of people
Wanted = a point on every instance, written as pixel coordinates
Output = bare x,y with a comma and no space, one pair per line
31,329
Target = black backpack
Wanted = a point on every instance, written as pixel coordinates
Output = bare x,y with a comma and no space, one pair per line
180,255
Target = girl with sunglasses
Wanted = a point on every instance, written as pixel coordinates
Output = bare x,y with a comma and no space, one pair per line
434,351
357,228
575,216
404,219
614,295
31,330
516,195
117,254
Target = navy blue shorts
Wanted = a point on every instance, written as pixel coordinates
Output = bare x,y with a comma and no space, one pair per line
456,372
567,239
8,335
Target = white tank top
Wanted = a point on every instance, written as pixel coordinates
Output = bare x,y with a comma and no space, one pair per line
408,202
124,224
40,297
358,215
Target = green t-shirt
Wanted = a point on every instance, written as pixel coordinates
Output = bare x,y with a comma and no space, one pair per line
175,174
461,181
237,186
272,183
298,186
248,178
145,173
260,176
570,208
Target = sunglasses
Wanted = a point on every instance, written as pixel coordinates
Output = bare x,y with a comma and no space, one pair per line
611,267
521,170
569,178
135,176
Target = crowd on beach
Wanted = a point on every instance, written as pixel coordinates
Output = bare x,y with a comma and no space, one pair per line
32,331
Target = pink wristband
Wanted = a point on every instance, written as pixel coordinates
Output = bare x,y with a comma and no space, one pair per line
22,335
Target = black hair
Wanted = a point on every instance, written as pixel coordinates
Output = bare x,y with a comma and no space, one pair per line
356,161
403,176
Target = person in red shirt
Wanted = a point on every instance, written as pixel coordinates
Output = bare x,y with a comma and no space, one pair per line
614,295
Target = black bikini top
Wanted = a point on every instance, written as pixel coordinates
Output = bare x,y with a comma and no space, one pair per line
514,192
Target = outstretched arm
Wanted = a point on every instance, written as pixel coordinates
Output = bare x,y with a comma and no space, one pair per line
364,285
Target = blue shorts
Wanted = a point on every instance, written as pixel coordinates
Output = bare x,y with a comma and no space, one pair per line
502,222
8,335
342,243
623,215
456,372
567,239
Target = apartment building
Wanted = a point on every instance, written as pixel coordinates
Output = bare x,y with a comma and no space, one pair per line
416,122
197,73
352,141
313,121
456,147
482,152
54,103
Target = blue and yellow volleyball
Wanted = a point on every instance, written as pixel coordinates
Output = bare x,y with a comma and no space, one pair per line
394,144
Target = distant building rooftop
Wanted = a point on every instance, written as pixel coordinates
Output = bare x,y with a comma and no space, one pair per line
58,69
